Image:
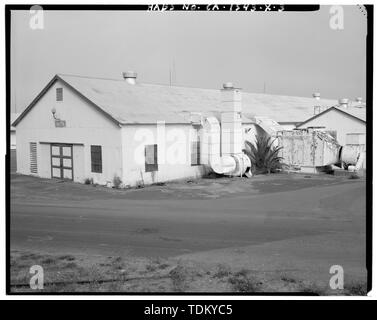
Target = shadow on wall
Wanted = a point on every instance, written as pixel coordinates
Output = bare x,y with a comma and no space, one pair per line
13,161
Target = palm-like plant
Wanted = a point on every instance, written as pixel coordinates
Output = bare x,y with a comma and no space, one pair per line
264,156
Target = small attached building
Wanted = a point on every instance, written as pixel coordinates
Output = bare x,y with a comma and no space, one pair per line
344,121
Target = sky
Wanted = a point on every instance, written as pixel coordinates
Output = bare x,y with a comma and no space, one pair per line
286,53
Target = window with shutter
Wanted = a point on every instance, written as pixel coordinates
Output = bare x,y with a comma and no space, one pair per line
96,156
59,94
33,157
151,161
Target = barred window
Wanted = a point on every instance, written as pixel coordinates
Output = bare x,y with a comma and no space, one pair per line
151,163
59,94
96,155
195,153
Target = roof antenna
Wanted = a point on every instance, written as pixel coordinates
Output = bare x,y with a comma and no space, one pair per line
169,75
172,72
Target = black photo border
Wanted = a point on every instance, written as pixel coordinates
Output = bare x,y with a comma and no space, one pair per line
198,7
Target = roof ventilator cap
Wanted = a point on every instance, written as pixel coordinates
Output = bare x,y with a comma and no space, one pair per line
228,86
343,102
130,77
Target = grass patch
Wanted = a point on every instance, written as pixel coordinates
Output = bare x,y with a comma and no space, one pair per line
67,257
88,181
242,281
70,273
151,267
163,266
356,289
71,265
117,263
117,182
311,288
48,261
288,279
222,271
178,277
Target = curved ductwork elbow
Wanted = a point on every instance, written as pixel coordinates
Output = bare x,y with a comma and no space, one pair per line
232,165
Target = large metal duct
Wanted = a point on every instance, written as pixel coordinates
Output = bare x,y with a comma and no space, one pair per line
224,142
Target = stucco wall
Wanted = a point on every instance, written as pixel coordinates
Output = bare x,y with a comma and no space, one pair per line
174,161
336,120
84,125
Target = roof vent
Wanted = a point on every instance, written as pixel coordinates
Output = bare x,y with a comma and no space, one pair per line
228,85
316,95
343,102
130,77
359,99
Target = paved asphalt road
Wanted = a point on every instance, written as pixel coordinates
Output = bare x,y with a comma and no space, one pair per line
170,227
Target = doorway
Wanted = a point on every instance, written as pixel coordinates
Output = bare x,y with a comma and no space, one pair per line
62,161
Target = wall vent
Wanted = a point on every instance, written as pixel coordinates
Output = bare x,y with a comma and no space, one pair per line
59,94
33,157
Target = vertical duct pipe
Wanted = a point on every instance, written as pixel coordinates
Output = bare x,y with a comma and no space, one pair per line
227,157
317,107
231,122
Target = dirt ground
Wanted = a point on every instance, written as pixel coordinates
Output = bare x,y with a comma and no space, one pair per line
273,233
70,273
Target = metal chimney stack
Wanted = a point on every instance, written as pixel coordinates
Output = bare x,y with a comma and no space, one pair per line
317,107
231,123
343,102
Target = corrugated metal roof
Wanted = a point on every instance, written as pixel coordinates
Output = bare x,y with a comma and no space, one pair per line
124,103
147,103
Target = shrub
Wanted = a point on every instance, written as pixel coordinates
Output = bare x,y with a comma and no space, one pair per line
263,155
222,271
178,277
357,289
117,182
88,181
244,283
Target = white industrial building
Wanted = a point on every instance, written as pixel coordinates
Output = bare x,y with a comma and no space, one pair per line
82,128
346,121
